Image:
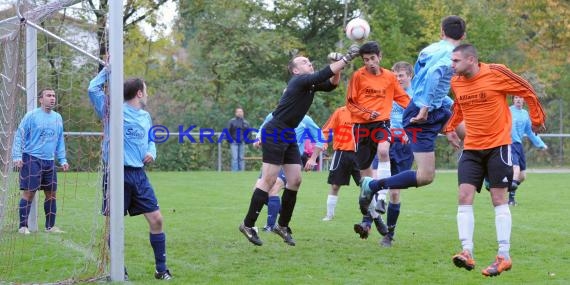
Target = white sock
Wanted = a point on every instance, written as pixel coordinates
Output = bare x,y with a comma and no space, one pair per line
372,207
331,205
466,226
383,170
503,223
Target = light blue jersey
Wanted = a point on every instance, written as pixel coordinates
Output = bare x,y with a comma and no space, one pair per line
433,74
136,125
40,134
397,113
521,125
306,126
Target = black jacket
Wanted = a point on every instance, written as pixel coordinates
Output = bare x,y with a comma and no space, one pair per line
237,127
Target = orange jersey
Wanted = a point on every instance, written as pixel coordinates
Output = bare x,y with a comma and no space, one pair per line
481,101
368,92
340,122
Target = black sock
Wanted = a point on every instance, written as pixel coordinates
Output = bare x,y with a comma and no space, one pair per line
258,199
288,200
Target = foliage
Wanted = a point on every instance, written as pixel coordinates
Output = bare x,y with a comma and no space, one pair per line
224,54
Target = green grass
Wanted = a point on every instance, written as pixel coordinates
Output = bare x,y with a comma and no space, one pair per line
202,211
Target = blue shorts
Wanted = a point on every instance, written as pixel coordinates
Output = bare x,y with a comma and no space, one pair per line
37,174
280,175
422,136
401,157
139,194
517,153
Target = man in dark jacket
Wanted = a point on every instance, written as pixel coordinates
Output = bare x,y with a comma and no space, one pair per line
236,127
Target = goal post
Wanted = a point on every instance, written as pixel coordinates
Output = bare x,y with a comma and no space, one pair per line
49,46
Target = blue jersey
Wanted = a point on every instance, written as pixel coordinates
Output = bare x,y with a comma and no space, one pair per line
521,125
433,74
40,134
136,125
305,128
397,113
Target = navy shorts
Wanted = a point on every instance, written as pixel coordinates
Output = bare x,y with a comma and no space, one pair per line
279,145
519,158
401,157
37,174
494,163
368,136
343,166
139,194
422,136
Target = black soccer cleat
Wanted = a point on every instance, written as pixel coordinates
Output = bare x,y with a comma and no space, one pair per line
250,234
381,207
163,275
362,230
285,234
381,227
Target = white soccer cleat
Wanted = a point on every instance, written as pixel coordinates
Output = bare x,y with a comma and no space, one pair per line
24,231
328,218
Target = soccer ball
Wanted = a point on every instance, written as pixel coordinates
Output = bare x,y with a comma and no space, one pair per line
357,29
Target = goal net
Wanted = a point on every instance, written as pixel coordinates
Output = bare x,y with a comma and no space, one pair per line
32,59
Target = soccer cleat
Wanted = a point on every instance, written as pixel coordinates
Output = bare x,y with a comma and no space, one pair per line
381,207
126,275
54,230
163,275
501,264
267,229
285,234
250,234
365,191
381,227
328,218
24,231
386,241
362,229
464,260
513,203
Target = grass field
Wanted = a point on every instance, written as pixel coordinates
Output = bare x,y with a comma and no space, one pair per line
202,211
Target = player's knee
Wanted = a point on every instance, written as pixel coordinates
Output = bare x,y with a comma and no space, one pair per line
155,221
425,178
295,182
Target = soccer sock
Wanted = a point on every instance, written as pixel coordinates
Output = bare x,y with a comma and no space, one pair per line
383,170
372,207
288,201
331,205
401,180
367,219
50,209
158,243
392,217
466,226
258,198
503,222
273,207
512,196
24,210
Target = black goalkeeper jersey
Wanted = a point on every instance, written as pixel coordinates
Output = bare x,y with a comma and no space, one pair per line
298,97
